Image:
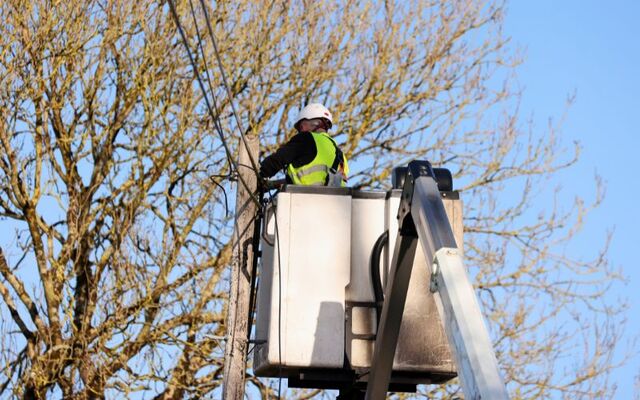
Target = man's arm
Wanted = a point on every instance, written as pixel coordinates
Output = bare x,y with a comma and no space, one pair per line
300,150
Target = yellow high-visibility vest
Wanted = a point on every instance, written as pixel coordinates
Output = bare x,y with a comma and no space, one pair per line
317,171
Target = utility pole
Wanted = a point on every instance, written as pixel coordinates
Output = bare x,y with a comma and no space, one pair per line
237,325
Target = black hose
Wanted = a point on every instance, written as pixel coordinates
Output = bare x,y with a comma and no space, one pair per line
255,243
376,282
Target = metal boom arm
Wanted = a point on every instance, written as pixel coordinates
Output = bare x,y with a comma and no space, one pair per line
422,216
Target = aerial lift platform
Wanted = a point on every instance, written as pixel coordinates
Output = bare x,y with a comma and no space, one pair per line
322,320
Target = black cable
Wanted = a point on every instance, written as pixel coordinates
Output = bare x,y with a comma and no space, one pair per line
254,268
224,192
226,85
208,76
174,13
216,121
206,67
226,147
376,282
214,117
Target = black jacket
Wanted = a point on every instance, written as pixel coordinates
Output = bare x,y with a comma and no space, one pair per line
298,151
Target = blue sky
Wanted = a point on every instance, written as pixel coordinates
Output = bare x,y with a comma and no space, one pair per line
592,49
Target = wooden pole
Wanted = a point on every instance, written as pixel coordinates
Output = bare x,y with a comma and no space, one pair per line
237,325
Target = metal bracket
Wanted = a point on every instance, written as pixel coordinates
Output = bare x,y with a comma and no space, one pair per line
433,284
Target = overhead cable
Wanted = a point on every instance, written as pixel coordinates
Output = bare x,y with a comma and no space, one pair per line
215,117
226,85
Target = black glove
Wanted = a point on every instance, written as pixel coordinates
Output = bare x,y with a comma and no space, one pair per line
263,184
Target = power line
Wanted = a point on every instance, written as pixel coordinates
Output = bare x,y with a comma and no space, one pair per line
226,84
206,69
253,162
213,115
204,92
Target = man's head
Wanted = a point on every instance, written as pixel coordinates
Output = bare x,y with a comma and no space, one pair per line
314,118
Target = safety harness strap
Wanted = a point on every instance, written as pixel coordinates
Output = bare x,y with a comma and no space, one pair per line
338,160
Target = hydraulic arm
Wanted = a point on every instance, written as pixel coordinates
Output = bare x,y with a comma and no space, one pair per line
422,217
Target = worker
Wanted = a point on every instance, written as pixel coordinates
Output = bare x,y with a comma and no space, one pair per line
311,157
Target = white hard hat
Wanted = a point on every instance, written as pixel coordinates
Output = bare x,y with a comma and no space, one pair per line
315,110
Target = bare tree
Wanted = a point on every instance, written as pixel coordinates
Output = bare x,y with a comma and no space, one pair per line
114,183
